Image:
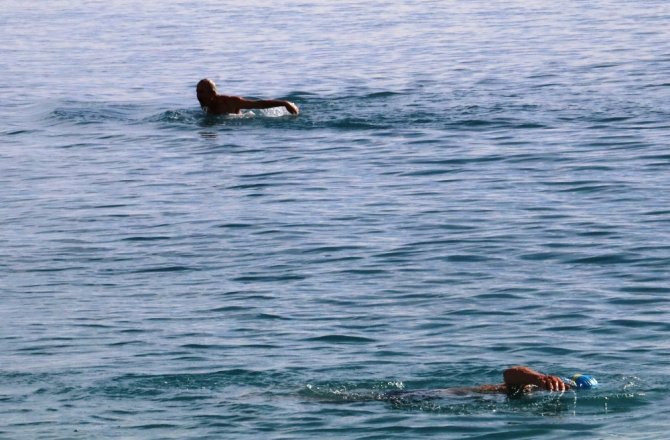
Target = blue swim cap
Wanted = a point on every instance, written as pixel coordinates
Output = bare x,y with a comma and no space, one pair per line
584,381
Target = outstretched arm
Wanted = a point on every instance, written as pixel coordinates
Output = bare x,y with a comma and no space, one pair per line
267,103
520,376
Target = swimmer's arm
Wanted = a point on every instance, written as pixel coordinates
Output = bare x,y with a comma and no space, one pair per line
481,389
520,376
500,388
245,103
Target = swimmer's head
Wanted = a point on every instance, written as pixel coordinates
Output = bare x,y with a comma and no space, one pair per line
584,381
205,90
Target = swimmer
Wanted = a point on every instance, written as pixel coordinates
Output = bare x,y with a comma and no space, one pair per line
215,104
518,380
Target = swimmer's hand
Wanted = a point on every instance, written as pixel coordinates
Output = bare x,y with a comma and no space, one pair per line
552,383
291,108
520,376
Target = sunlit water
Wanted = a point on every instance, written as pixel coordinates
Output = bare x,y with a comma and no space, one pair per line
470,185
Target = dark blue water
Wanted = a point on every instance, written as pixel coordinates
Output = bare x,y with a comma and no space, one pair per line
470,185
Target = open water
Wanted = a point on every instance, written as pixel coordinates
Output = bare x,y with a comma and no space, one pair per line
470,185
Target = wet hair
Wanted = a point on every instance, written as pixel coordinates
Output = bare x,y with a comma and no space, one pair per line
205,90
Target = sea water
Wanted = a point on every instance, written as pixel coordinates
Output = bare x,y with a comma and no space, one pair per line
470,185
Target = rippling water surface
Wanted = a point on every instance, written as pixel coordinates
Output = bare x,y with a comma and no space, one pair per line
470,185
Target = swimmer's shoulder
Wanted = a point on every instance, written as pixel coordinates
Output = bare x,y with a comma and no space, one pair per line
225,104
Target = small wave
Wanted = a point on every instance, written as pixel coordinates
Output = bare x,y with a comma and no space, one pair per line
236,226
146,238
182,116
269,278
377,95
174,116
360,391
176,268
342,339
605,259
92,113
85,113
132,385
17,132
353,123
